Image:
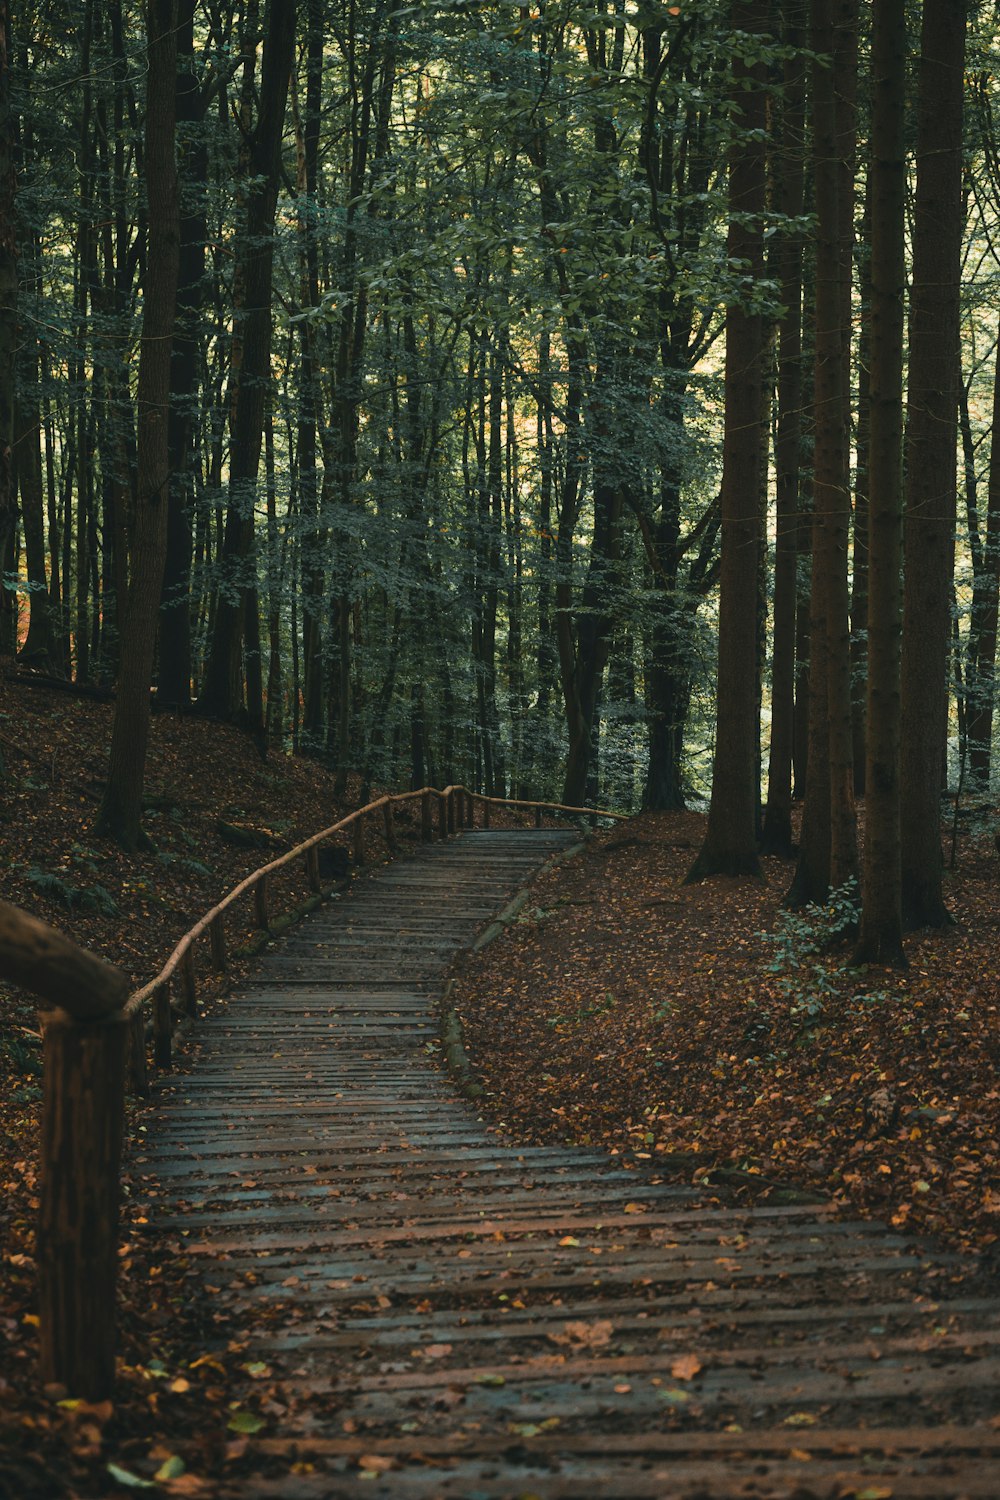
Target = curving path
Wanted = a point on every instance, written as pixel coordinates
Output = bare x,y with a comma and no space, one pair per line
460,1316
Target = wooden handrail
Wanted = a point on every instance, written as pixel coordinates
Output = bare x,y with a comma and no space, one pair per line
86,1039
83,1113
186,943
50,965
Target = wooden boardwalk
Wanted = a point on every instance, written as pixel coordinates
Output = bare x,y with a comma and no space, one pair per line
473,1319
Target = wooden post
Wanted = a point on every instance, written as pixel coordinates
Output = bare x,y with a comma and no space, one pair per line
312,868
262,915
426,829
486,812
390,832
163,1026
358,842
217,939
442,815
189,983
451,811
538,817
138,1073
84,1072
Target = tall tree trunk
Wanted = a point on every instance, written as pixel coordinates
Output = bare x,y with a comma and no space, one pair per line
222,689
828,851
777,831
120,812
175,665
931,448
880,938
730,846
8,343
982,650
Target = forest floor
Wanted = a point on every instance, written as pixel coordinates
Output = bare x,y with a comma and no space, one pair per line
621,1008
705,1028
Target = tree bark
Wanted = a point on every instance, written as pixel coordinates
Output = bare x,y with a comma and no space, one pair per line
730,846
983,626
174,673
121,806
776,837
222,691
8,347
931,455
880,937
828,851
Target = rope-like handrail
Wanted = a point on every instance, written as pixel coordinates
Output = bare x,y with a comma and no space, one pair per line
456,805
86,1058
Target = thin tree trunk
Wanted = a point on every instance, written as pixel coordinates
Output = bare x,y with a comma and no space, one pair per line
730,846
121,806
931,454
777,831
880,938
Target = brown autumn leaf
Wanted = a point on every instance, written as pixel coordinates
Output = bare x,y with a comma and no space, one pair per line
685,1366
376,1463
589,1335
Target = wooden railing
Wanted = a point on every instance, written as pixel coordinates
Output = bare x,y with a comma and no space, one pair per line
95,1039
456,811
82,1116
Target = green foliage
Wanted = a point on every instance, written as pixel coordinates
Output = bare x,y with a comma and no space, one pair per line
800,945
91,898
583,1012
182,864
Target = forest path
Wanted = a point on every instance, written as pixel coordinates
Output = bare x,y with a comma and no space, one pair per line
442,1313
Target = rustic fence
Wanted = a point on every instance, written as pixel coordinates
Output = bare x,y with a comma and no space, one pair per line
95,1045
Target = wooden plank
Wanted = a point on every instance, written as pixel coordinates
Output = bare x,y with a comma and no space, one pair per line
376,1243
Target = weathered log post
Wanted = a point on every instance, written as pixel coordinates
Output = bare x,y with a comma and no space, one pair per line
138,1072
82,1121
538,817
163,1026
390,831
217,942
312,868
450,796
261,909
84,1041
443,815
189,983
426,829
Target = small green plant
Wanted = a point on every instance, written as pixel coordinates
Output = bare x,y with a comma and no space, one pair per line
584,1012
799,942
22,1054
93,898
183,865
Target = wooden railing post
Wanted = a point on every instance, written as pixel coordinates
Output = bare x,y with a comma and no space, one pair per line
189,983
451,809
390,832
358,842
138,1072
262,914
83,1111
312,868
442,815
426,830
217,940
538,817
163,1026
